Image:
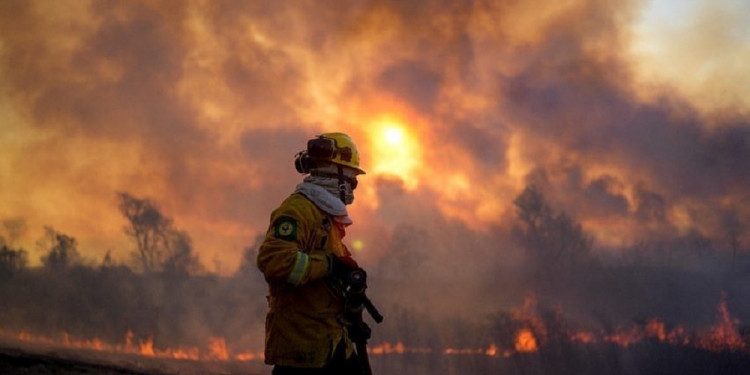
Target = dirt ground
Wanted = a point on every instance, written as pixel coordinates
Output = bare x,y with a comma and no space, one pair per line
17,362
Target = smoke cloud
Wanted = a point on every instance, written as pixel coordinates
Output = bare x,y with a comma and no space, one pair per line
202,106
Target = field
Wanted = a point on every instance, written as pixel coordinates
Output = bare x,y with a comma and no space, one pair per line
580,359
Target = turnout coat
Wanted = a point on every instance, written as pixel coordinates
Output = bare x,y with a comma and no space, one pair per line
304,320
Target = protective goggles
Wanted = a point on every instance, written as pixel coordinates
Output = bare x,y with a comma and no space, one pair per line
325,149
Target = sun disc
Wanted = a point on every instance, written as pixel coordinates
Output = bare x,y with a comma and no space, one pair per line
395,151
394,135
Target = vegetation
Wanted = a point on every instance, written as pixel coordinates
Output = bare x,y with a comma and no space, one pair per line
166,295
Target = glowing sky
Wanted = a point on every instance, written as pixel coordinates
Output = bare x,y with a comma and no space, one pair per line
632,116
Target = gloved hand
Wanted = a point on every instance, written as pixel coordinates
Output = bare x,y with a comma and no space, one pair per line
338,268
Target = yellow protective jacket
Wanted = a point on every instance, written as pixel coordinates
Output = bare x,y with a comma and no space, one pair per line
303,323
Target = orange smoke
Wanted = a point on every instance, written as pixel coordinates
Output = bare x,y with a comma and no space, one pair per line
443,101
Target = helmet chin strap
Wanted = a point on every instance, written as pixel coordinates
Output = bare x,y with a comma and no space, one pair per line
342,185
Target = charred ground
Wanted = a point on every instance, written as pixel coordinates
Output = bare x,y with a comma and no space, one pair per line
651,357
17,362
27,359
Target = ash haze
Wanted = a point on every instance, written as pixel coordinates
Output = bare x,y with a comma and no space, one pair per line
631,118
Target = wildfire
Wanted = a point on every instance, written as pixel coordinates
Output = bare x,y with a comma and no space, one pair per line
525,341
398,348
147,347
725,335
530,337
584,337
216,349
491,351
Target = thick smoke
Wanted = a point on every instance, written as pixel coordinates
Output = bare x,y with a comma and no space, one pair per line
207,103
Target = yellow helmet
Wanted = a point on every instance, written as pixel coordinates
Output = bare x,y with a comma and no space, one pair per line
346,152
337,148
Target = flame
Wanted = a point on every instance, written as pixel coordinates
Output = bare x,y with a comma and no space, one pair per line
387,348
217,349
246,357
528,339
656,328
184,353
584,337
147,347
525,341
625,337
725,335
398,348
526,315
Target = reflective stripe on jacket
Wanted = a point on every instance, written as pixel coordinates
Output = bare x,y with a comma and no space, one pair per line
303,323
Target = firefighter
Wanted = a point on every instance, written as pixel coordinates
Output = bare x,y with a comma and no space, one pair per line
302,253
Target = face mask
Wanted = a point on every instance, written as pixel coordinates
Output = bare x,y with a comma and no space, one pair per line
328,177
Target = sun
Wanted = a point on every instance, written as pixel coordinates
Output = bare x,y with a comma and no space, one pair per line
396,151
393,135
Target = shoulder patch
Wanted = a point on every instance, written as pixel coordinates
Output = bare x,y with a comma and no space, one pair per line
285,228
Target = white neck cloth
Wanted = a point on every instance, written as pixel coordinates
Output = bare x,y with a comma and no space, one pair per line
325,200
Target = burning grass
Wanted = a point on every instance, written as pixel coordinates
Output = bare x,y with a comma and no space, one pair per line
217,321
532,335
215,350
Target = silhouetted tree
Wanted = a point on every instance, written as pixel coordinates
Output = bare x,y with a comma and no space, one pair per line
180,259
107,261
148,228
62,250
11,260
553,242
160,247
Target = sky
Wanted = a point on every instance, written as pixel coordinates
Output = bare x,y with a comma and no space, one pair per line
631,116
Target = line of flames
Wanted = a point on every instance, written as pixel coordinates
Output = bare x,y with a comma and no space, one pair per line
216,349
723,336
